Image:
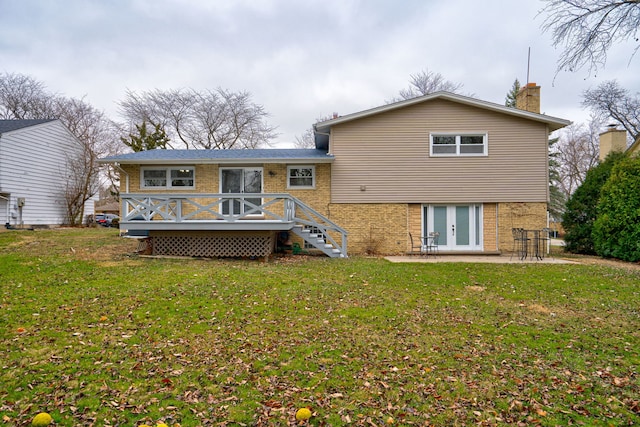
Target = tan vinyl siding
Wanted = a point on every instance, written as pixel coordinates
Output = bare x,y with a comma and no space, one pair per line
385,158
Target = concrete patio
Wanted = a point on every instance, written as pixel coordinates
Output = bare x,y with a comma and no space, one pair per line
492,259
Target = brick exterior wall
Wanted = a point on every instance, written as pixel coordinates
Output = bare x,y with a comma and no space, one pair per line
489,227
373,228
530,216
275,181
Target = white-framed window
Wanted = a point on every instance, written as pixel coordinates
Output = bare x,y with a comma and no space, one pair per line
301,177
182,177
458,144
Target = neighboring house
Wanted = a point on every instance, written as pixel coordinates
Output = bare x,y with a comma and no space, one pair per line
634,149
615,140
469,169
107,208
33,167
612,140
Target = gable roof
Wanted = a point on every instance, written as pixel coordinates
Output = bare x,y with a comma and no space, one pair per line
246,156
11,125
322,128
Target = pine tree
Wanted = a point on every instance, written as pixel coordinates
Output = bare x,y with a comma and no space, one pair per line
557,199
145,140
510,100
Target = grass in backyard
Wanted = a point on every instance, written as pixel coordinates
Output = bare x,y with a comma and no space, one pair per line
95,335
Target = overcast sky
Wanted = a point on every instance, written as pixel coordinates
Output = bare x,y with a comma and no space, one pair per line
300,59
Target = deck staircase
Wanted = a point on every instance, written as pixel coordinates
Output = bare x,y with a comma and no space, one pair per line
318,241
316,229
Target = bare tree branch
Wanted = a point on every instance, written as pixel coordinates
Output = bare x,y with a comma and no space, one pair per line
609,100
577,151
307,139
588,28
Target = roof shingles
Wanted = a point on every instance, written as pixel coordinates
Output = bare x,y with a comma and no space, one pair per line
11,125
212,156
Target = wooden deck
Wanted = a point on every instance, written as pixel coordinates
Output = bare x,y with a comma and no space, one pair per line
231,212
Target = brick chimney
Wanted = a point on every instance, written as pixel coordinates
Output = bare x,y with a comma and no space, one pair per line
528,98
612,140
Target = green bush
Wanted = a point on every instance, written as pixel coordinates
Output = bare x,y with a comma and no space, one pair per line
616,231
580,213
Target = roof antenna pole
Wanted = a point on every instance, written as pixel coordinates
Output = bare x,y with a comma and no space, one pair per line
528,63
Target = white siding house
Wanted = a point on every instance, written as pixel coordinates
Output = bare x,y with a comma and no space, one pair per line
33,168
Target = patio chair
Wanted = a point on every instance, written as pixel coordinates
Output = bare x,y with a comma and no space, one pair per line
415,246
520,243
431,244
546,235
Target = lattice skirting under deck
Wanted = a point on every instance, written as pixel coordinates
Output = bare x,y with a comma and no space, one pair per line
211,244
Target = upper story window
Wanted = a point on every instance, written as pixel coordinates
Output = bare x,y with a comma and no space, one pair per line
301,177
452,144
178,177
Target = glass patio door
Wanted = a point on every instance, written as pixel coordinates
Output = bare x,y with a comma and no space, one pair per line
460,226
240,180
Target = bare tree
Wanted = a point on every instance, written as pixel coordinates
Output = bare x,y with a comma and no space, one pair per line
424,83
609,100
22,97
214,119
576,152
588,28
80,183
307,139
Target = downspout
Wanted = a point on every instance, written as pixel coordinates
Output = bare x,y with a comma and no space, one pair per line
498,227
117,166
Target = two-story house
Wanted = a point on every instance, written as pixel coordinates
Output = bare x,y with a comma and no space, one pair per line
469,169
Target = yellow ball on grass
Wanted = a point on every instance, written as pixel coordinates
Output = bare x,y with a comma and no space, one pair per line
303,414
41,420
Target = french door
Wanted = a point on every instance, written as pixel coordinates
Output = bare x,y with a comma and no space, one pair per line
460,226
240,180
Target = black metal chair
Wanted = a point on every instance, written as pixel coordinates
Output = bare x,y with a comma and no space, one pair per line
431,244
546,235
415,245
520,243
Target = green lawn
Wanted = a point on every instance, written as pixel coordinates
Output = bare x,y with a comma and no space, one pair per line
95,335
